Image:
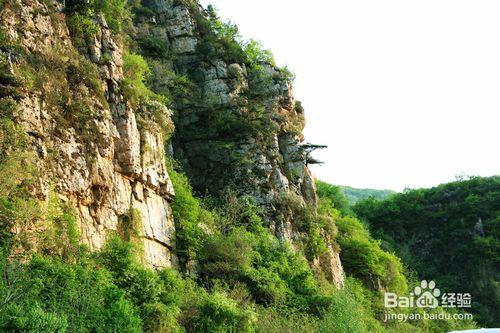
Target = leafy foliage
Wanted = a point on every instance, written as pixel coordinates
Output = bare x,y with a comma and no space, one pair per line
354,195
116,12
335,195
188,216
136,72
448,233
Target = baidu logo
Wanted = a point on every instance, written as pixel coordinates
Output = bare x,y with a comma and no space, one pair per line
426,295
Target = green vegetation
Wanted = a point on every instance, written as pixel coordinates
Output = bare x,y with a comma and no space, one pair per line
82,20
188,216
165,81
356,194
83,13
372,268
68,83
136,71
335,195
16,175
448,233
314,227
361,255
10,85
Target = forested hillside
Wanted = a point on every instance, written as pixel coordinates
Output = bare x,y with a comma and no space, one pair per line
450,233
356,194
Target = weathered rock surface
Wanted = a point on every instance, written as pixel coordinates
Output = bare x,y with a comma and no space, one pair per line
111,171
274,164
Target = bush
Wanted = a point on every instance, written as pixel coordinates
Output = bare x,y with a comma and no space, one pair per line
335,195
188,215
256,54
313,227
82,29
83,71
364,258
8,106
60,235
238,211
271,272
159,317
135,72
17,173
344,315
80,292
273,320
155,47
116,12
217,313
32,319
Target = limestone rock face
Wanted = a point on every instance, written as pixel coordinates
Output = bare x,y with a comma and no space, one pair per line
330,265
111,169
265,164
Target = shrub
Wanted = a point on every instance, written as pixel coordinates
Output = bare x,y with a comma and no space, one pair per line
420,224
130,226
83,71
256,54
271,272
189,216
82,29
273,320
159,317
238,211
173,286
8,106
60,235
344,315
120,315
80,292
351,310
117,256
217,313
364,258
116,12
163,80
154,117
136,71
307,222
155,47
227,257
17,173
335,195
32,319
16,164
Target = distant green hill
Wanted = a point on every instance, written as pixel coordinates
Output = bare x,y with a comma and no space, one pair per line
450,234
357,194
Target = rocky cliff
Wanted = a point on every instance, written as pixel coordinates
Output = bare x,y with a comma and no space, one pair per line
238,126
217,154
103,164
